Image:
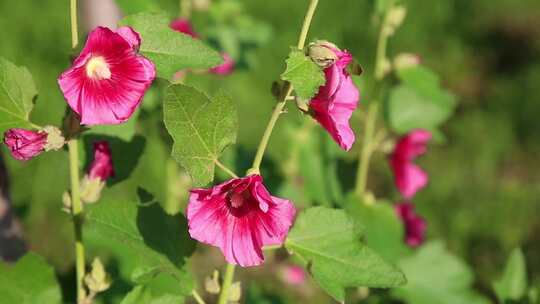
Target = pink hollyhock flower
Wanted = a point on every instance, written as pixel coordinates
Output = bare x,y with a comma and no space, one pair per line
415,225
99,171
226,67
183,25
102,167
25,144
335,102
107,82
294,275
409,177
240,217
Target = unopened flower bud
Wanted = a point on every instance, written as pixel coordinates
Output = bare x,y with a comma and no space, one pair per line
211,284
91,189
97,280
406,60
66,202
235,293
25,144
322,53
394,19
55,140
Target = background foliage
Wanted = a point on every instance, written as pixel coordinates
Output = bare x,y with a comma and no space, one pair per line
483,196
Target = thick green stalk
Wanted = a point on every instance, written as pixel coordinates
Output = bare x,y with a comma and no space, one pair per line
227,282
77,213
77,207
371,117
229,273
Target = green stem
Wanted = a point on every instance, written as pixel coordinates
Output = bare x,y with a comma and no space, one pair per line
74,32
278,110
77,207
227,282
197,297
225,169
77,213
371,117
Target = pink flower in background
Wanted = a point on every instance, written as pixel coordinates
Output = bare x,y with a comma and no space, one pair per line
107,82
102,166
335,102
294,275
409,177
183,25
25,144
240,217
226,67
415,225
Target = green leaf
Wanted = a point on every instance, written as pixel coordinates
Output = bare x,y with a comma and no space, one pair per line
30,280
143,294
326,241
170,51
17,92
513,283
159,243
408,109
201,129
436,276
381,226
305,76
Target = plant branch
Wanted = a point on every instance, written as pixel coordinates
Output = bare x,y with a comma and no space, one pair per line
287,89
225,168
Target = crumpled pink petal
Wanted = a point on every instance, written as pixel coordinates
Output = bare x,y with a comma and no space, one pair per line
183,25
335,102
225,68
102,166
410,178
240,217
112,100
415,225
25,144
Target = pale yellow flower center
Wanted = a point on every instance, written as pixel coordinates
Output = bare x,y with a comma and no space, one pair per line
97,68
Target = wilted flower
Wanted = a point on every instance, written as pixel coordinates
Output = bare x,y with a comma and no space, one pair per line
335,102
183,25
26,144
107,82
409,177
415,225
100,170
240,217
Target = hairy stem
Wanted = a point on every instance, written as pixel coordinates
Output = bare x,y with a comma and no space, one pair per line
77,213
227,282
287,89
371,117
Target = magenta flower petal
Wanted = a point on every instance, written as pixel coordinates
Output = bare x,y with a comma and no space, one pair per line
226,67
294,275
183,25
108,80
415,225
25,144
410,178
102,166
335,102
240,217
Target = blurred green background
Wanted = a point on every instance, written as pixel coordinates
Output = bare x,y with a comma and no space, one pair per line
484,193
